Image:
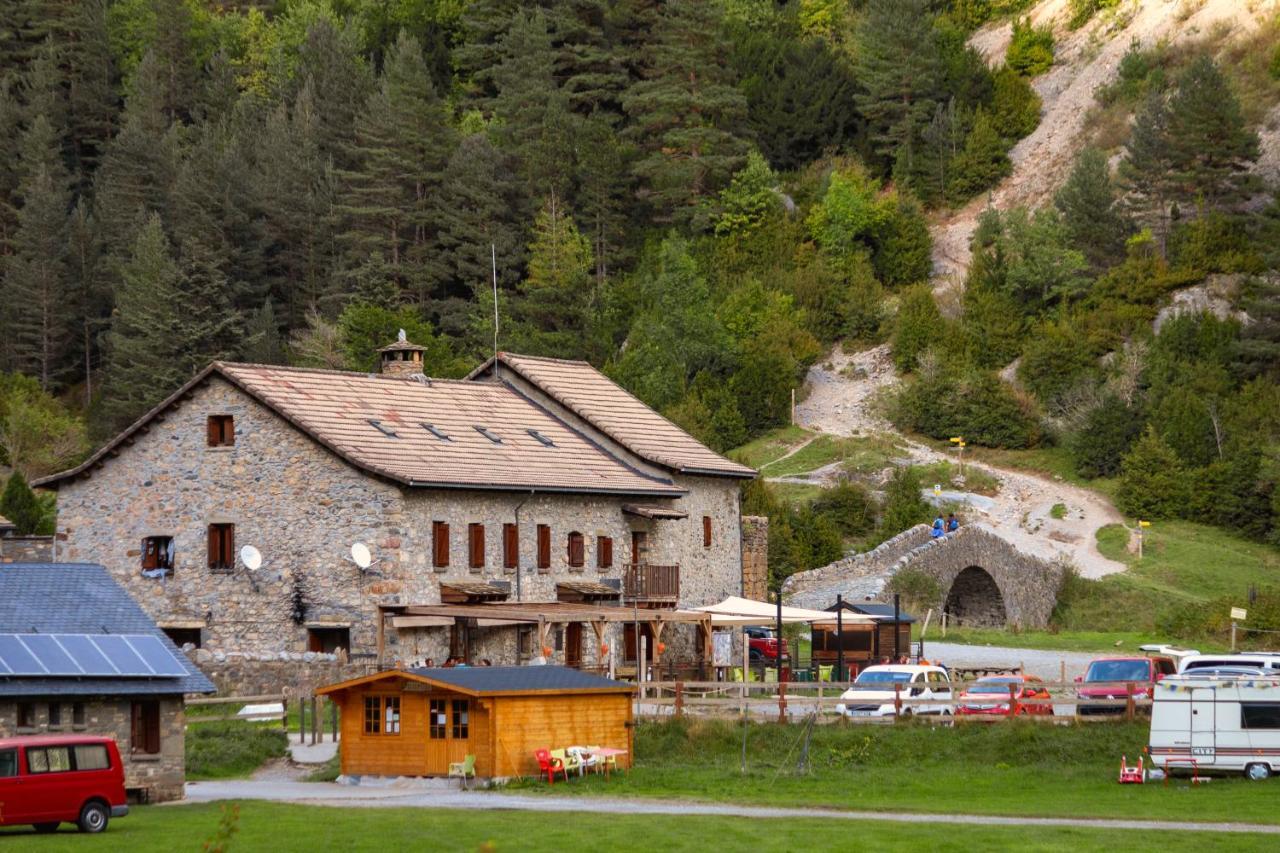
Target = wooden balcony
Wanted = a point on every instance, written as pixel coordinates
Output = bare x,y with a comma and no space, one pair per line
646,584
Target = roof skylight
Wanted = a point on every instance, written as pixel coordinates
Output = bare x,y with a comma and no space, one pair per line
542,439
437,432
383,428
488,435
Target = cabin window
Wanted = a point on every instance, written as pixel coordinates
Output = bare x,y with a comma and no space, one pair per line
391,715
440,544
577,550
51,759
221,431
461,719
8,762
157,555
439,719
372,714
77,715
55,715
510,546
144,735
183,636
382,715
475,546
604,552
544,546
1260,715
222,547
328,640
706,531
26,715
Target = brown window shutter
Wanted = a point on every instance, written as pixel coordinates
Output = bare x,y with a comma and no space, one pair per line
544,546
212,430
604,552
475,545
706,531
136,732
510,546
214,542
229,546
576,550
440,544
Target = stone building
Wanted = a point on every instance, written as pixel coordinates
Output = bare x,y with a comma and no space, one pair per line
93,626
533,480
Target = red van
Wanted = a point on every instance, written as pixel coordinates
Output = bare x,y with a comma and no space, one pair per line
48,779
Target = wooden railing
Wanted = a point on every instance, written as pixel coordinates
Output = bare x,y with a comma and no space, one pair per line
654,584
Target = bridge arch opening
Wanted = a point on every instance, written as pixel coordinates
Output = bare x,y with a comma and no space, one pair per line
974,599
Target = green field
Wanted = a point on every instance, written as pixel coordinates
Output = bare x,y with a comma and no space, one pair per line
281,828
1018,768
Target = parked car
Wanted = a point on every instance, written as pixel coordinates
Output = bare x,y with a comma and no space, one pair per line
1113,675
990,697
763,643
874,690
1221,673
1268,661
50,779
1200,726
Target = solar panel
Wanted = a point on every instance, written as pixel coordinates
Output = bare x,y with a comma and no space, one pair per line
90,655
157,655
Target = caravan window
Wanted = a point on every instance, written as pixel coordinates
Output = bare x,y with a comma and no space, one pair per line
1260,715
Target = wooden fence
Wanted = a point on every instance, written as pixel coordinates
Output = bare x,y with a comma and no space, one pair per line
787,700
315,713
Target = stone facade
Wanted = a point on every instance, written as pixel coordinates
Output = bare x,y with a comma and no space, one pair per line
755,557
237,674
26,549
303,507
149,778
982,579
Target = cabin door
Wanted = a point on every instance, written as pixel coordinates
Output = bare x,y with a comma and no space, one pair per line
448,734
573,645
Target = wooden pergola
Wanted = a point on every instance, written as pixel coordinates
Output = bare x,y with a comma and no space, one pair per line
543,615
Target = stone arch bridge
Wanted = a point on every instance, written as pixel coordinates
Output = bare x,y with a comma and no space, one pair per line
982,579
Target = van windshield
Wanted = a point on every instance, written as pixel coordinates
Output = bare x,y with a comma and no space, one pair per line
1118,670
870,680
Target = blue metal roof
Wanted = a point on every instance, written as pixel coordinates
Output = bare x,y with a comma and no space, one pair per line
513,679
81,598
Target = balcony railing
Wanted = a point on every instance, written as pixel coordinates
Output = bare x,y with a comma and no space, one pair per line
646,584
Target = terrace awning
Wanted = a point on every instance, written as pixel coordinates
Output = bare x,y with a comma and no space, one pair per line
745,611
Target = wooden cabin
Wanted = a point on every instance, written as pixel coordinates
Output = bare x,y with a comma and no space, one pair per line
416,722
865,643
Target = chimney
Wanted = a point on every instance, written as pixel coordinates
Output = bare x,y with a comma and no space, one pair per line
402,358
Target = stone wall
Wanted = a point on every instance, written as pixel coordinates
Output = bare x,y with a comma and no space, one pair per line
299,674
755,557
857,576
158,777
303,507
26,549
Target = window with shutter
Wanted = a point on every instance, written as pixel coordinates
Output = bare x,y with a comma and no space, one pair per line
222,547
604,552
145,729
544,547
475,545
440,544
221,431
706,531
577,550
510,546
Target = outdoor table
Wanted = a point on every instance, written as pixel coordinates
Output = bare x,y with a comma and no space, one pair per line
608,752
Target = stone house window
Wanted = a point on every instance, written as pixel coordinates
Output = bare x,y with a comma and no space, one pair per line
510,546
77,715
221,431
328,640
55,715
475,546
544,547
222,547
157,555
26,715
183,636
144,731
440,544
706,531
577,550
604,552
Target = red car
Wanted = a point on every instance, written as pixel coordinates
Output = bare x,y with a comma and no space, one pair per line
990,697
763,643
1113,677
48,779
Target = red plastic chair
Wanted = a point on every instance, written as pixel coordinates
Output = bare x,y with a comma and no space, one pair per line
549,767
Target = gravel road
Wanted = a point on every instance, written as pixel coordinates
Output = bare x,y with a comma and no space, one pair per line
1046,664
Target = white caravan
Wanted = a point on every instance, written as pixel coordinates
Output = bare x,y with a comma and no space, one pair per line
1228,724
1268,661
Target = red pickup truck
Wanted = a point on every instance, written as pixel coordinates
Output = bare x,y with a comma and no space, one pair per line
763,643
1110,677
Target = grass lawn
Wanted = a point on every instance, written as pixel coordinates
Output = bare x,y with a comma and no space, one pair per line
278,828
1023,768
860,455
771,446
231,749
1064,641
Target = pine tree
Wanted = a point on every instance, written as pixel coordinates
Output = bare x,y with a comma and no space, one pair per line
173,52
262,341
1213,148
209,326
1152,480
19,504
36,285
686,114
1147,168
981,163
918,326
92,101
604,186
10,134
903,506
1087,201
340,81
556,295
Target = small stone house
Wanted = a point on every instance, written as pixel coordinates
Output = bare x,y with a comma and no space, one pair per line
533,480
106,669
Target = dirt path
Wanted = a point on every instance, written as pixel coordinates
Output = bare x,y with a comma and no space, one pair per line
842,401
345,796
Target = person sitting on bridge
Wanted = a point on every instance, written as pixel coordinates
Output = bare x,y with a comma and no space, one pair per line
953,523
938,530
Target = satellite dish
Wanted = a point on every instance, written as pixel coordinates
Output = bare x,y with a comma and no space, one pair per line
360,553
251,557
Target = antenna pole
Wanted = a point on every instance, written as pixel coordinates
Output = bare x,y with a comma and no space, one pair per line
493,255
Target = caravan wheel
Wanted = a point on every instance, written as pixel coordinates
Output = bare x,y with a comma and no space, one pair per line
1257,772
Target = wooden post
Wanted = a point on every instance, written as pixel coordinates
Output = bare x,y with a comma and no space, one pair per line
284,716
302,720
679,698
1013,699
657,645
782,699
333,717
1128,702
642,647
944,624
897,700
1062,672
746,671
315,719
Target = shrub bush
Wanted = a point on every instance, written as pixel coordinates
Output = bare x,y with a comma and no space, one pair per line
1030,50
229,749
971,402
1107,434
1152,480
1015,107
919,590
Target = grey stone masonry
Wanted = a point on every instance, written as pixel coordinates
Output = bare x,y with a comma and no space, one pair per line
983,580
149,777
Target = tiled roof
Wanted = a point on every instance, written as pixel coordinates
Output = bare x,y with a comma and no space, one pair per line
608,407
81,598
428,433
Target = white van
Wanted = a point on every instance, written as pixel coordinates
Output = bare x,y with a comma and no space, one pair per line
873,691
1229,724
1267,661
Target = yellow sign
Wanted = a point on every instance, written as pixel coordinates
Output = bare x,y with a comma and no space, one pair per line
1239,614
1144,524
957,440
937,489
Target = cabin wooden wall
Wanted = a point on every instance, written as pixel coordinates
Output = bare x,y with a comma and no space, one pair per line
522,724
381,754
